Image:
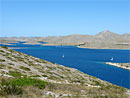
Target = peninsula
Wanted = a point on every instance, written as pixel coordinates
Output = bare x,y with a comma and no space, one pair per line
121,65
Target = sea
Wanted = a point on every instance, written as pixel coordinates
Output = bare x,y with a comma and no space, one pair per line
89,61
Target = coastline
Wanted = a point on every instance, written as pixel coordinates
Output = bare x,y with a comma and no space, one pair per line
72,44
104,48
50,44
120,65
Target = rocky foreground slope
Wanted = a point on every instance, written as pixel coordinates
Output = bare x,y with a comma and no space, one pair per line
25,76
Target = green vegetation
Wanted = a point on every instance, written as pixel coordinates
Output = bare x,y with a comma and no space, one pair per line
1,60
53,62
35,76
44,75
15,86
97,83
43,61
2,51
4,47
30,63
10,58
37,60
28,81
2,65
10,67
10,63
25,68
7,88
15,74
20,59
51,68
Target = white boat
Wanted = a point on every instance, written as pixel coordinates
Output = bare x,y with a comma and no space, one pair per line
63,56
112,59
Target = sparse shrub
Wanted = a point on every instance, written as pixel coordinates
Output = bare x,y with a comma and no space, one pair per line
97,83
51,68
44,75
10,58
4,47
1,51
37,60
15,74
31,63
53,62
11,50
1,60
25,68
2,65
10,67
15,86
28,54
43,61
64,87
7,88
10,63
51,86
35,76
20,59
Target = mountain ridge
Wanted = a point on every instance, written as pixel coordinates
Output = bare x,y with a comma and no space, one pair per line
102,40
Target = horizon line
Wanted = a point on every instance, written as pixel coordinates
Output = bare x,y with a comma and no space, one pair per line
69,34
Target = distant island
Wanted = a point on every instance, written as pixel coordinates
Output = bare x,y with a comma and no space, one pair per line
102,40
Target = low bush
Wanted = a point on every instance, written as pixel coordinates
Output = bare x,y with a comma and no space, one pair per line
4,47
16,86
1,60
43,61
25,68
2,65
20,59
35,76
7,88
2,51
15,74
28,81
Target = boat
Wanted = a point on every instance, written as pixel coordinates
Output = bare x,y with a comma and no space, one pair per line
63,56
111,59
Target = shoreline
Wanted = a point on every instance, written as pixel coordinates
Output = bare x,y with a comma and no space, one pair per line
104,48
120,65
85,47
52,44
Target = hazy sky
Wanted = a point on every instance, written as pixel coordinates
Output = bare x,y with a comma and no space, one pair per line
63,17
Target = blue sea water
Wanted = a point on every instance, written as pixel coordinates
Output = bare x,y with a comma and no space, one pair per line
90,61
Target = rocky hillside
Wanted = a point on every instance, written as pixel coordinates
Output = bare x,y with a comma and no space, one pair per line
107,35
25,76
102,40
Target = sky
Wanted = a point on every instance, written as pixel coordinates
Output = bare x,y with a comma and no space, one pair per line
39,18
